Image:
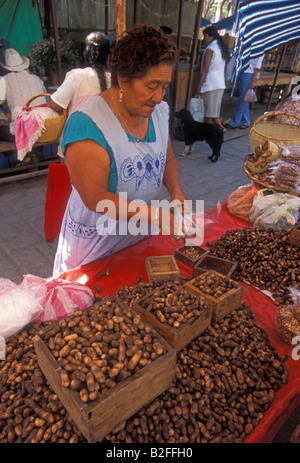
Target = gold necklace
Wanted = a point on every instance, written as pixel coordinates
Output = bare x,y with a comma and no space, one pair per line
136,139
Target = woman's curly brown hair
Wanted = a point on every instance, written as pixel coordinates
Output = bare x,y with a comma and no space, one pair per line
140,48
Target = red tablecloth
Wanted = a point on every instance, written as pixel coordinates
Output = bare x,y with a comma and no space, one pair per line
129,264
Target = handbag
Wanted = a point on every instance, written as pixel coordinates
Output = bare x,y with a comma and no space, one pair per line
197,109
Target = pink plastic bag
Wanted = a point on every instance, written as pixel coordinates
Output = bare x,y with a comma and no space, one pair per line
58,297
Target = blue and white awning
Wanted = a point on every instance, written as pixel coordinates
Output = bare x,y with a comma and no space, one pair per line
262,25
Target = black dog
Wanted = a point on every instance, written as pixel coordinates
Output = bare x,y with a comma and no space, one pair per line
200,131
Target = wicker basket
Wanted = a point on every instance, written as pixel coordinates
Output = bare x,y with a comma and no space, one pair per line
263,129
53,125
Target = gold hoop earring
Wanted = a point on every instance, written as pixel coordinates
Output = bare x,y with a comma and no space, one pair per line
120,95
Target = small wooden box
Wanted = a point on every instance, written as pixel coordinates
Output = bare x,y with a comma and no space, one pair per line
180,254
162,268
209,262
180,337
98,418
294,236
223,305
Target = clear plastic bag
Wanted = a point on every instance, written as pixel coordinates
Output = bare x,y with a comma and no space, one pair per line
278,210
18,306
285,175
196,225
288,319
250,96
290,154
197,109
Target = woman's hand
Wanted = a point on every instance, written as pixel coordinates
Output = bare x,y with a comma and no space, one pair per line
171,224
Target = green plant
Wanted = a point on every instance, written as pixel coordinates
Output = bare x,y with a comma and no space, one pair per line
42,54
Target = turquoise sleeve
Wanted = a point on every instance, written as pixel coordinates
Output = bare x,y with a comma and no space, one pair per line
81,127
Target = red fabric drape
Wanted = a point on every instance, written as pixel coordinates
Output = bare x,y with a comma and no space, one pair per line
57,195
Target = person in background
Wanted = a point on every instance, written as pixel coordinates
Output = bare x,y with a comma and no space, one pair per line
16,88
211,84
4,45
241,114
118,152
81,83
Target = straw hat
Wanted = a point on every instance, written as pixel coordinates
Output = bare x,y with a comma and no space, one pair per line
14,61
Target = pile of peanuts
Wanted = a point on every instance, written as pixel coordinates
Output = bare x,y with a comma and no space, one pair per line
101,346
174,305
265,259
225,380
192,252
212,284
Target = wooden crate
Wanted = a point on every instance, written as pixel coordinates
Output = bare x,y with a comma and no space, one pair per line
223,305
209,262
180,337
180,255
100,417
294,236
162,268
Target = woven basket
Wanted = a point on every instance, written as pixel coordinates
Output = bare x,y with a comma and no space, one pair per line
53,125
263,129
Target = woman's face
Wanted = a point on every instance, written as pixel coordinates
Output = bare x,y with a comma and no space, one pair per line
207,39
142,94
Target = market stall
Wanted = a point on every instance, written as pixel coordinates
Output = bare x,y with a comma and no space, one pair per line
109,276
262,305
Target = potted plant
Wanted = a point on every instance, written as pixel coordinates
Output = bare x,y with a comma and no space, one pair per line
42,55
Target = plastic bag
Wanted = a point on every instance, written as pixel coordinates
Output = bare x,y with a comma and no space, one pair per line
250,96
290,154
18,306
278,210
38,299
61,297
285,175
290,106
196,225
288,319
239,203
197,109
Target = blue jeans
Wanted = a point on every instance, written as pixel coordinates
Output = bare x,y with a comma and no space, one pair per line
241,113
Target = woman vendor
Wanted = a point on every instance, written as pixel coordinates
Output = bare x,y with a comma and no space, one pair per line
118,152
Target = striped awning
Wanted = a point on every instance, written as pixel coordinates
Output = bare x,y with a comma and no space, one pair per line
262,25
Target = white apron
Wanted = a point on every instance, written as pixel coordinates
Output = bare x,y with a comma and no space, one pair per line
86,236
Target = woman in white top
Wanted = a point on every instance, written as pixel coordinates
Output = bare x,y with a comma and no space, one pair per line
212,77
119,154
81,83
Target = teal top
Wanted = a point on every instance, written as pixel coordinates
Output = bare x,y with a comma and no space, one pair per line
81,127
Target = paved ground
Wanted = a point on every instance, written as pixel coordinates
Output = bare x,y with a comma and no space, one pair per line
23,249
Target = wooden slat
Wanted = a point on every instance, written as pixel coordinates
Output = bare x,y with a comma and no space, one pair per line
6,177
